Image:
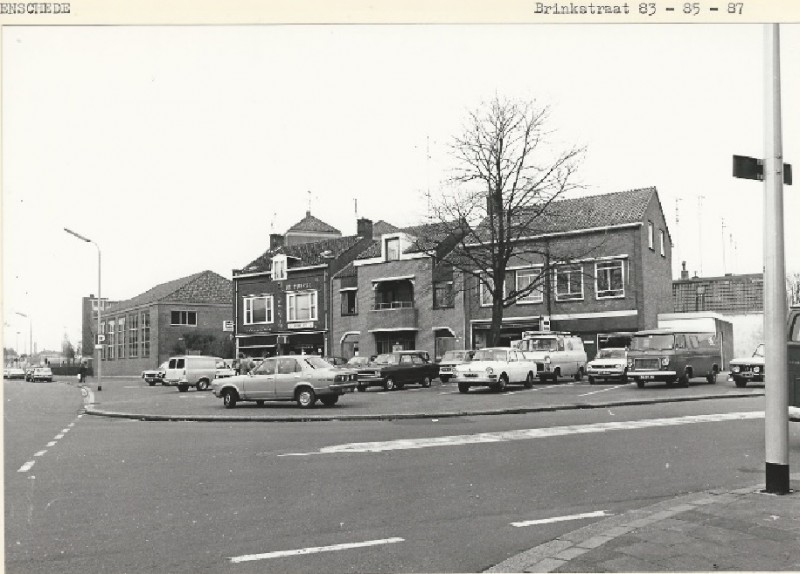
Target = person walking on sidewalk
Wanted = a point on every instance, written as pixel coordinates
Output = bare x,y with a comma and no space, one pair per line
82,373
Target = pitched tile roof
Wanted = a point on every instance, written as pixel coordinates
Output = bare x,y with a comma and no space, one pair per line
312,253
428,232
202,287
380,227
312,224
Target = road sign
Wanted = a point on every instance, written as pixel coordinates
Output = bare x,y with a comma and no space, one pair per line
227,326
745,167
101,338
99,347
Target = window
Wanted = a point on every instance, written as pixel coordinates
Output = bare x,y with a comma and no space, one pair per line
485,292
302,306
392,249
145,322
258,310
650,238
112,325
279,268
609,279
443,295
350,302
121,338
133,335
184,318
569,283
526,278
288,366
663,243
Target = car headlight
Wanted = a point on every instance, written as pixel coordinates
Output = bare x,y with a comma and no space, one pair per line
489,370
630,363
756,369
664,361
735,369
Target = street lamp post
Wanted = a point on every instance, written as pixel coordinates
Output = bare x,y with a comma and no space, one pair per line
98,344
30,332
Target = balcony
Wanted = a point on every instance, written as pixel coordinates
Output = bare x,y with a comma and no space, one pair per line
392,315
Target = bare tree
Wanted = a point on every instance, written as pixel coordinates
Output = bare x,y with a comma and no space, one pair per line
508,174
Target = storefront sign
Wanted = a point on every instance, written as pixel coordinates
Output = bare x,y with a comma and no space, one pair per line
227,326
307,325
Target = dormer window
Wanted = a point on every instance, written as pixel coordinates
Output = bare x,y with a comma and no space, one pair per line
279,268
392,249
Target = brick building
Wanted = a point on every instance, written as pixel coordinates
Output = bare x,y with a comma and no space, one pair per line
183,315
89,324
615,276
283,297
394,297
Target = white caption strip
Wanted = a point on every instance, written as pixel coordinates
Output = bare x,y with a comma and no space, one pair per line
526,434
597,514
314,550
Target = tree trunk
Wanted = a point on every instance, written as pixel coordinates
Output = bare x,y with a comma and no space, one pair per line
497,321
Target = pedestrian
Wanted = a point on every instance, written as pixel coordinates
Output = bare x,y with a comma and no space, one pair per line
82,373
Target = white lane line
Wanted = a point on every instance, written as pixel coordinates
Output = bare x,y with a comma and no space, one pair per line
604,390
525,434
51,443
596,514
65,431
27,466
40,453
59,436
313,550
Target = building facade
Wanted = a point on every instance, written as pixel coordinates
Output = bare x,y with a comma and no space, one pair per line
609,258
187,315
89,323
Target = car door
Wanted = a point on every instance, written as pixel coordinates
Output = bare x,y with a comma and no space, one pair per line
289,374
260,382
408,370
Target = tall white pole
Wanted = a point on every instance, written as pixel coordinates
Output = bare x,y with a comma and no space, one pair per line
776,424
99,313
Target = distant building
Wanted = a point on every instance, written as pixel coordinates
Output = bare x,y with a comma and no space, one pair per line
310,229
89,323
189,314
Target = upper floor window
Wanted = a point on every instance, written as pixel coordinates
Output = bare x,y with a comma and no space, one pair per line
650,236
529,282
609,279
183,318
145,320
569,283
443,295
392,249
663,243
133,335
302,306
350,302
258,310
486,291
279,268
110,345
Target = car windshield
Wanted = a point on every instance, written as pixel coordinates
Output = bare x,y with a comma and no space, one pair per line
489,355
611,354
358,361
317,363
653,342
540,344
759,352
387,359
456,356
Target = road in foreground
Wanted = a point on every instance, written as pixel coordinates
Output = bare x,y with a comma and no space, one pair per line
125,495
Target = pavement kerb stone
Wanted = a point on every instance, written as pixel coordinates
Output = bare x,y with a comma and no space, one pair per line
91,409
557,552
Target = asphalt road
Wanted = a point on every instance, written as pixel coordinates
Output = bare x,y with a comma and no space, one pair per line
425,495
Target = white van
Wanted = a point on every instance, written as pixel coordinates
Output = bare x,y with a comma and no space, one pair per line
556,354
191,371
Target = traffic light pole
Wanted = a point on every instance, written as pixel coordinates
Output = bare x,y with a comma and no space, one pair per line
776,429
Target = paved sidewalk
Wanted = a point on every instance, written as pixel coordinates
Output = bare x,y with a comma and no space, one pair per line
717,530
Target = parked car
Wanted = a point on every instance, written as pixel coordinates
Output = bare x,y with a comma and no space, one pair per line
336,361
42,374
13,373
450,360
556,354
356,362
609,364
496,368
667,355
224,369
395,370
748,369
303,378
191,371
153,376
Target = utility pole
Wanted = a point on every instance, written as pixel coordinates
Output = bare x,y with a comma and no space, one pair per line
776,420
724,268
700,199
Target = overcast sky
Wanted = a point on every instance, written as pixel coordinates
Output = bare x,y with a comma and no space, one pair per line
180,149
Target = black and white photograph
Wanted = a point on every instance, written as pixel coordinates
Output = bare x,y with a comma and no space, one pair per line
401,289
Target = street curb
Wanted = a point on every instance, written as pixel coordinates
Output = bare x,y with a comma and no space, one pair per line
555,553
90,410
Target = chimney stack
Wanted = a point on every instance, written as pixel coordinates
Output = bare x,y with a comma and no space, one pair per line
364,227
275,240
684,272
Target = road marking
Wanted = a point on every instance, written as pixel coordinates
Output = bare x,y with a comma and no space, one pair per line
313,550
59,436
27,466
596,514
65,431
51,443
607,389
40,453
525,434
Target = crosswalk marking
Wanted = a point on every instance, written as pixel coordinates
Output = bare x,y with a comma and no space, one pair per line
525,434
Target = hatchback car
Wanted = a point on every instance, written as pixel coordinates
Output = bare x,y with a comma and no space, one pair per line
610,363
450,360
750,369
303,378
42,374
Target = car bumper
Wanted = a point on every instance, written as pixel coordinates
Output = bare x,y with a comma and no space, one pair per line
340,388
605,372
478,380
652,375
750,376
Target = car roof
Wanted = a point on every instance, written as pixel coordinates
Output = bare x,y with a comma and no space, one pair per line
669,331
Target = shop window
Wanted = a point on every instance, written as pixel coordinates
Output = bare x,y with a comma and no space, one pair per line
609,279
184,318
258,310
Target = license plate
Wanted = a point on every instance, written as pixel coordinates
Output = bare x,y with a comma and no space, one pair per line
647,377
606,373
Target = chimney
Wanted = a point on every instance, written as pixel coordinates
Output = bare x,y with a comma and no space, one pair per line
275,240
364,227
684,272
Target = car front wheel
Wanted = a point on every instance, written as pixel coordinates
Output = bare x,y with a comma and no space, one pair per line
202,385
425,382
463,388
306,398
229,398
529,381
389,384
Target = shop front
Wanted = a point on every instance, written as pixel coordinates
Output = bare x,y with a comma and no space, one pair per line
510,330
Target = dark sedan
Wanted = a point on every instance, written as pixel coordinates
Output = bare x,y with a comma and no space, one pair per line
395,370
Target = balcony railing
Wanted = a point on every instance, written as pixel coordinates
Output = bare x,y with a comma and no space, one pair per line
392,316
393,305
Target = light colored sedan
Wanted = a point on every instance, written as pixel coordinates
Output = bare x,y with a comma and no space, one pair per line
610,363
300,378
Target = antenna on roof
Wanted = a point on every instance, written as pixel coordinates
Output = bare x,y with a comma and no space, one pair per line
309,202
355,205
272,223
700,199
